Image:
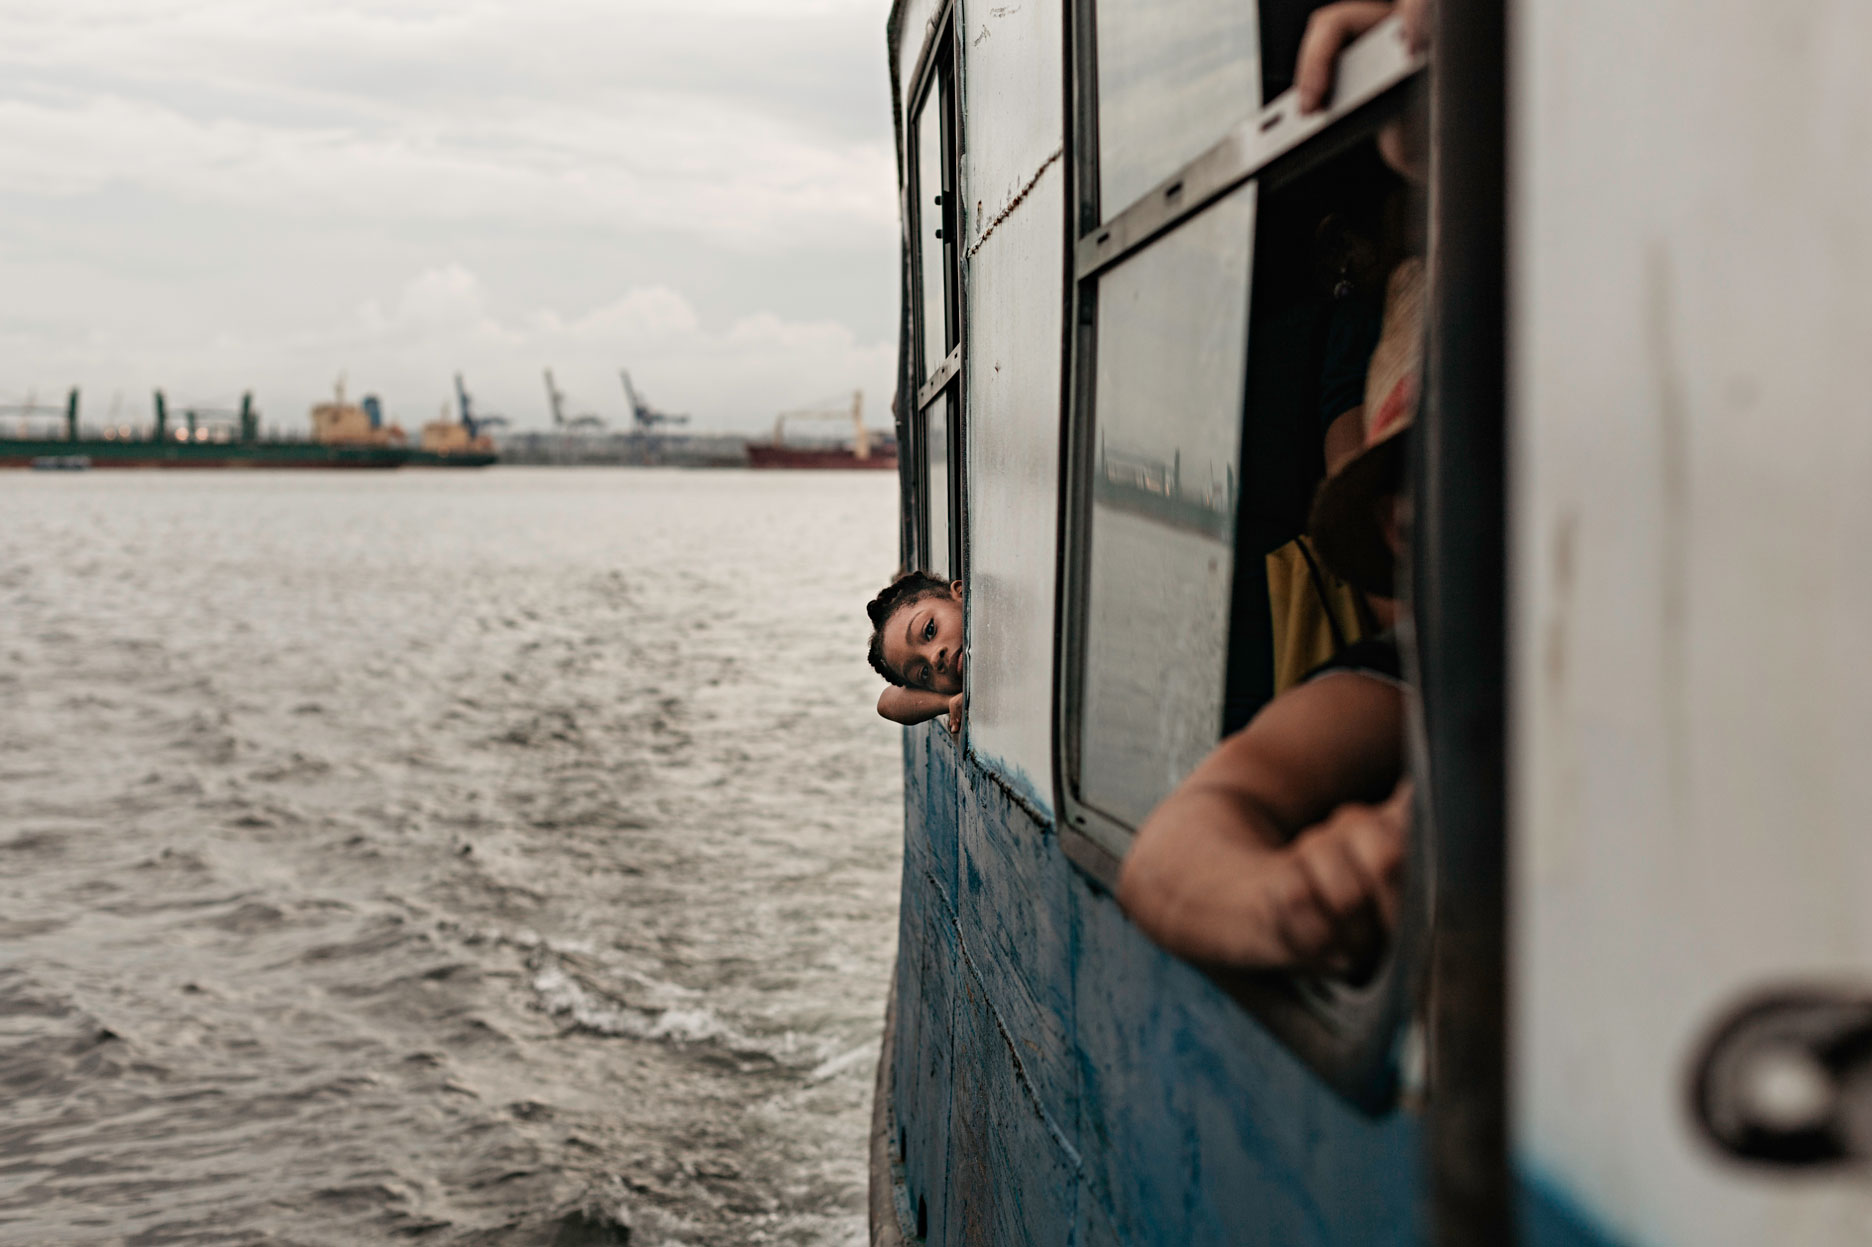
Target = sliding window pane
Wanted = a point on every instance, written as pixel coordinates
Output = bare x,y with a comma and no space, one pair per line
1174,76
1171,357
934,265
936,485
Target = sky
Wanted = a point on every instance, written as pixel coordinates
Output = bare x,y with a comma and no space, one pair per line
211,196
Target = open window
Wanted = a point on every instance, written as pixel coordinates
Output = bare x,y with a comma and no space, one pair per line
1221,243
935,424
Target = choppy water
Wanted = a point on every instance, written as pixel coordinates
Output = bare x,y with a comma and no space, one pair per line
499,857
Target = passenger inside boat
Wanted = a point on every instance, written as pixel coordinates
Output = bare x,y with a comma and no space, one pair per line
916,645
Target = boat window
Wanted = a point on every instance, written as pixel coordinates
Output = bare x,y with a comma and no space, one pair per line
1196,436
933,243
936,555
1326,239
937,422
1172,79
1232,280
1171,358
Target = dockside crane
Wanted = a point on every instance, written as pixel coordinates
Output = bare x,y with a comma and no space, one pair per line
470,421
30,408
555,398
246,419
644,417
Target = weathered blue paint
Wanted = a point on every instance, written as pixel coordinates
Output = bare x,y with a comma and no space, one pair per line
1013,910
928,959
1551,1218
1060,1080
1017,782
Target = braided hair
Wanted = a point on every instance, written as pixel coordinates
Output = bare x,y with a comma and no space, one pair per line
907,588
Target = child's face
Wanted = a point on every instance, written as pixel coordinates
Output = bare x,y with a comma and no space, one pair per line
922,642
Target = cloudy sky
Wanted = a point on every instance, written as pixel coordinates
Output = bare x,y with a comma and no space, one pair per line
212,195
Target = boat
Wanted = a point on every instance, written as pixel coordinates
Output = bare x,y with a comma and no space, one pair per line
201,437
1627,995
447,443
868,450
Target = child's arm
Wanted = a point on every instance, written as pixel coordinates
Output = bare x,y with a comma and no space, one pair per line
911,705
1263,856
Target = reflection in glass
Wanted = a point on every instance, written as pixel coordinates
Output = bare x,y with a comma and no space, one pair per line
930,225
1172,352
1172,79
936,476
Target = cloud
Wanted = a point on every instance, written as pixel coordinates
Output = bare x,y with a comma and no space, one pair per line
223,193
408,345
667,162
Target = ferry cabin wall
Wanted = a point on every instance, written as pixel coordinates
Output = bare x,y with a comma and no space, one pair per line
1694,296
1057,1078
1689,433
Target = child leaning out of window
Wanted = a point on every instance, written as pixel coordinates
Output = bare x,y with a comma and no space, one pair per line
916,645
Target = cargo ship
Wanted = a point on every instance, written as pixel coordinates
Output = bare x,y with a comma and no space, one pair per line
867,449
202,438
447,443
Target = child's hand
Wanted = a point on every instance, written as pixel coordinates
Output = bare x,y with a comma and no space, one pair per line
956,704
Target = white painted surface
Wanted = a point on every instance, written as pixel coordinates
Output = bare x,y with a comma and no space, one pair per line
1013,196
1692,582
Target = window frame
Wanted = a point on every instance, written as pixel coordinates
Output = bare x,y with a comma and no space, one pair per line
1347,1034
937,66
1272,146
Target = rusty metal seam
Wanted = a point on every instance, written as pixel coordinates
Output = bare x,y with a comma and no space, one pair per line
1015,202
943,899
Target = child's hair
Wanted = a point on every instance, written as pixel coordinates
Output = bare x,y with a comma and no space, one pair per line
907,588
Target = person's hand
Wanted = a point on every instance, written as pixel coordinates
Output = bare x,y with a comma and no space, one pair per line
1333,893
1328,31
1416,17
956,704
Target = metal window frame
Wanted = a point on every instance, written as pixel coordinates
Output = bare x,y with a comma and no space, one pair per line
939,53
1275,144
1346,1034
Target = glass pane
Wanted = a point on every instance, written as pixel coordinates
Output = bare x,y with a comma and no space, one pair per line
1172,353
936,478
1013,469
1173,77
930,219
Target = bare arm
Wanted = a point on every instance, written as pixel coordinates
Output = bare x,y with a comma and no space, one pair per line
1266,855
1329,31
911,705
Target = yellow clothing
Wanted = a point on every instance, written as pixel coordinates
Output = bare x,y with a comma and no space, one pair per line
1316,614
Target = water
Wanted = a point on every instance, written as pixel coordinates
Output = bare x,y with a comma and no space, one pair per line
449,857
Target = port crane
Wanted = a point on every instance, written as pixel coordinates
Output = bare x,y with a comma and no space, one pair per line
830,410
194,430
644,417
30,408
555,398
472,423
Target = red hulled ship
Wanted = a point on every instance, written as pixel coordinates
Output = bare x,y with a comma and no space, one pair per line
867,449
